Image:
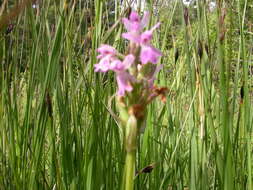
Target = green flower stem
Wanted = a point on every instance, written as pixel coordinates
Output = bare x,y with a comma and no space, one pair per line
130,170
131,146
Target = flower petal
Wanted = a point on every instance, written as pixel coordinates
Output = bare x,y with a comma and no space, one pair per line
105,49
144,20
124,82
146,37
132,36
127,24
128,61
117,65
103,65
149,54
134,17
133,24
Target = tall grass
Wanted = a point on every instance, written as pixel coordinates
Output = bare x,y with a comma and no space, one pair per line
58,120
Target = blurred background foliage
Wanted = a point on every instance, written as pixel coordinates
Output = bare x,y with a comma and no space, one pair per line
57,125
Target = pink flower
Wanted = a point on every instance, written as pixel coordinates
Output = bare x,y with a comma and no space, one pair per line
147,36
134,17
104,64
140,46
134,26
110,62
118,65
107,56
132,37
105,50
124,80
134,23
149,54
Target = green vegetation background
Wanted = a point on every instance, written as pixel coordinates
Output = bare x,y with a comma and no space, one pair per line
57,126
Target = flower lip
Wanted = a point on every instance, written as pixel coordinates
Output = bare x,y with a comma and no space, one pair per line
124,82
148,35
134,17
103,65
128,61
131,26
149,54
118,65
105,49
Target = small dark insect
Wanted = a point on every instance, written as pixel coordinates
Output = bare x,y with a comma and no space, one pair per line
147,169
9,29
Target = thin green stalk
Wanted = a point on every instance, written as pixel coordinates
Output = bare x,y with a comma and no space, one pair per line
131,147
130,170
